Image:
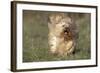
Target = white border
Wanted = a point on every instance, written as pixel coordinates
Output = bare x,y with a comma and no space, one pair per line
21,65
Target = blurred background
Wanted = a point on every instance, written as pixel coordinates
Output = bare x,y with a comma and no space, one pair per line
35,36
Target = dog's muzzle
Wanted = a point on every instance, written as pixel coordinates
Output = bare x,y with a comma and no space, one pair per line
66,29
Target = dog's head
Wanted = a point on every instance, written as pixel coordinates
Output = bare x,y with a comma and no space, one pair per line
63,25
59,22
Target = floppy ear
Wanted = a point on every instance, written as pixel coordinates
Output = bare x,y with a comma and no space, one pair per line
49,25
48,19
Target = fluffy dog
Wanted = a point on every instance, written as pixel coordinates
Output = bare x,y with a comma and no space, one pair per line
61,40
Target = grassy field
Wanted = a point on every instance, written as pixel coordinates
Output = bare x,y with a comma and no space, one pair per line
35,37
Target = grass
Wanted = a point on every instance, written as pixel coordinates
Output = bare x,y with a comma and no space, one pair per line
35,38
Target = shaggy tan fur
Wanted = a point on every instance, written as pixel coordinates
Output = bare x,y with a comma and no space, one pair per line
60,38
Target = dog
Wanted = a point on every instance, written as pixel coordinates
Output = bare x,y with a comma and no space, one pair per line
60,37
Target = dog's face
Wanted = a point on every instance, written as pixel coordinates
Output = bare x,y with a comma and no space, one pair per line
59,24
62,26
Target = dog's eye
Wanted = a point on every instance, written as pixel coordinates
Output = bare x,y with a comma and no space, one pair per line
63,25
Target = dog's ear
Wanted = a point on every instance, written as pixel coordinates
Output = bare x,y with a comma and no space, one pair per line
48,19
49,25
70,21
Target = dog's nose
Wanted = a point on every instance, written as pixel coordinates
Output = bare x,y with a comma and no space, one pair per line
65,30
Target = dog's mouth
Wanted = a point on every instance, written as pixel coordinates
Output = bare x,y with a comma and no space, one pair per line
66,30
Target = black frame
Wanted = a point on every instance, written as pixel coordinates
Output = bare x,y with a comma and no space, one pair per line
14,35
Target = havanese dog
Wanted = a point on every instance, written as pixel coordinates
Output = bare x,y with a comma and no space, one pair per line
60,37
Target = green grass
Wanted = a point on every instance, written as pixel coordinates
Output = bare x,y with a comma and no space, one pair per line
44,55
35,38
